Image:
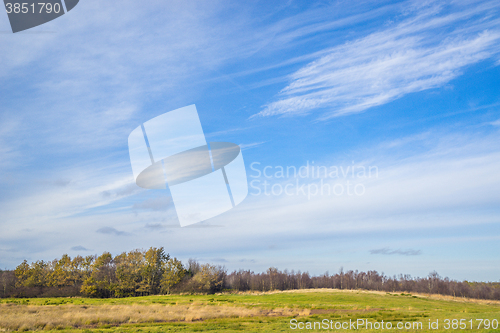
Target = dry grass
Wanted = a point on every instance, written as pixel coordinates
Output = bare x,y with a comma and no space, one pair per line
19,316
36,317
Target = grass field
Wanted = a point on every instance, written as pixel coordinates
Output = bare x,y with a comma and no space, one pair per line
251,312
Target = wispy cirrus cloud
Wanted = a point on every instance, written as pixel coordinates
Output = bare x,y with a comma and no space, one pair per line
387,251
404,58
251,145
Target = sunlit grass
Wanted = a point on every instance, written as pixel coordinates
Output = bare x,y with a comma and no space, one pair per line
238,312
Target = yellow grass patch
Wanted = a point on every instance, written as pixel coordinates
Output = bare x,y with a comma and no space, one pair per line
36,317
32,317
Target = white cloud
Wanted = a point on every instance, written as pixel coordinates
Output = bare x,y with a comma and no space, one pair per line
245,146
383,66
451,184
38,204
90,79
9,153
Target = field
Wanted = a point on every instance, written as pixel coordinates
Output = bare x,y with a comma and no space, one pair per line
253,312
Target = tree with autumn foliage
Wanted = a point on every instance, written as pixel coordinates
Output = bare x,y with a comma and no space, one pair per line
173,273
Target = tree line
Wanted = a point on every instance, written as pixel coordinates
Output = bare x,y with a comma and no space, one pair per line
153,272
134,273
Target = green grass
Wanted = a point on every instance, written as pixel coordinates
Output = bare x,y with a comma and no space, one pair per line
273,311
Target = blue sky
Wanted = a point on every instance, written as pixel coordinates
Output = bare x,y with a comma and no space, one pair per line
409,87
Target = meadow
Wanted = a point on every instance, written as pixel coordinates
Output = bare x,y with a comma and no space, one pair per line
280,311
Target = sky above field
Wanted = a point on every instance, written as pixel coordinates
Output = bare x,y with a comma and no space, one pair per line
398,101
